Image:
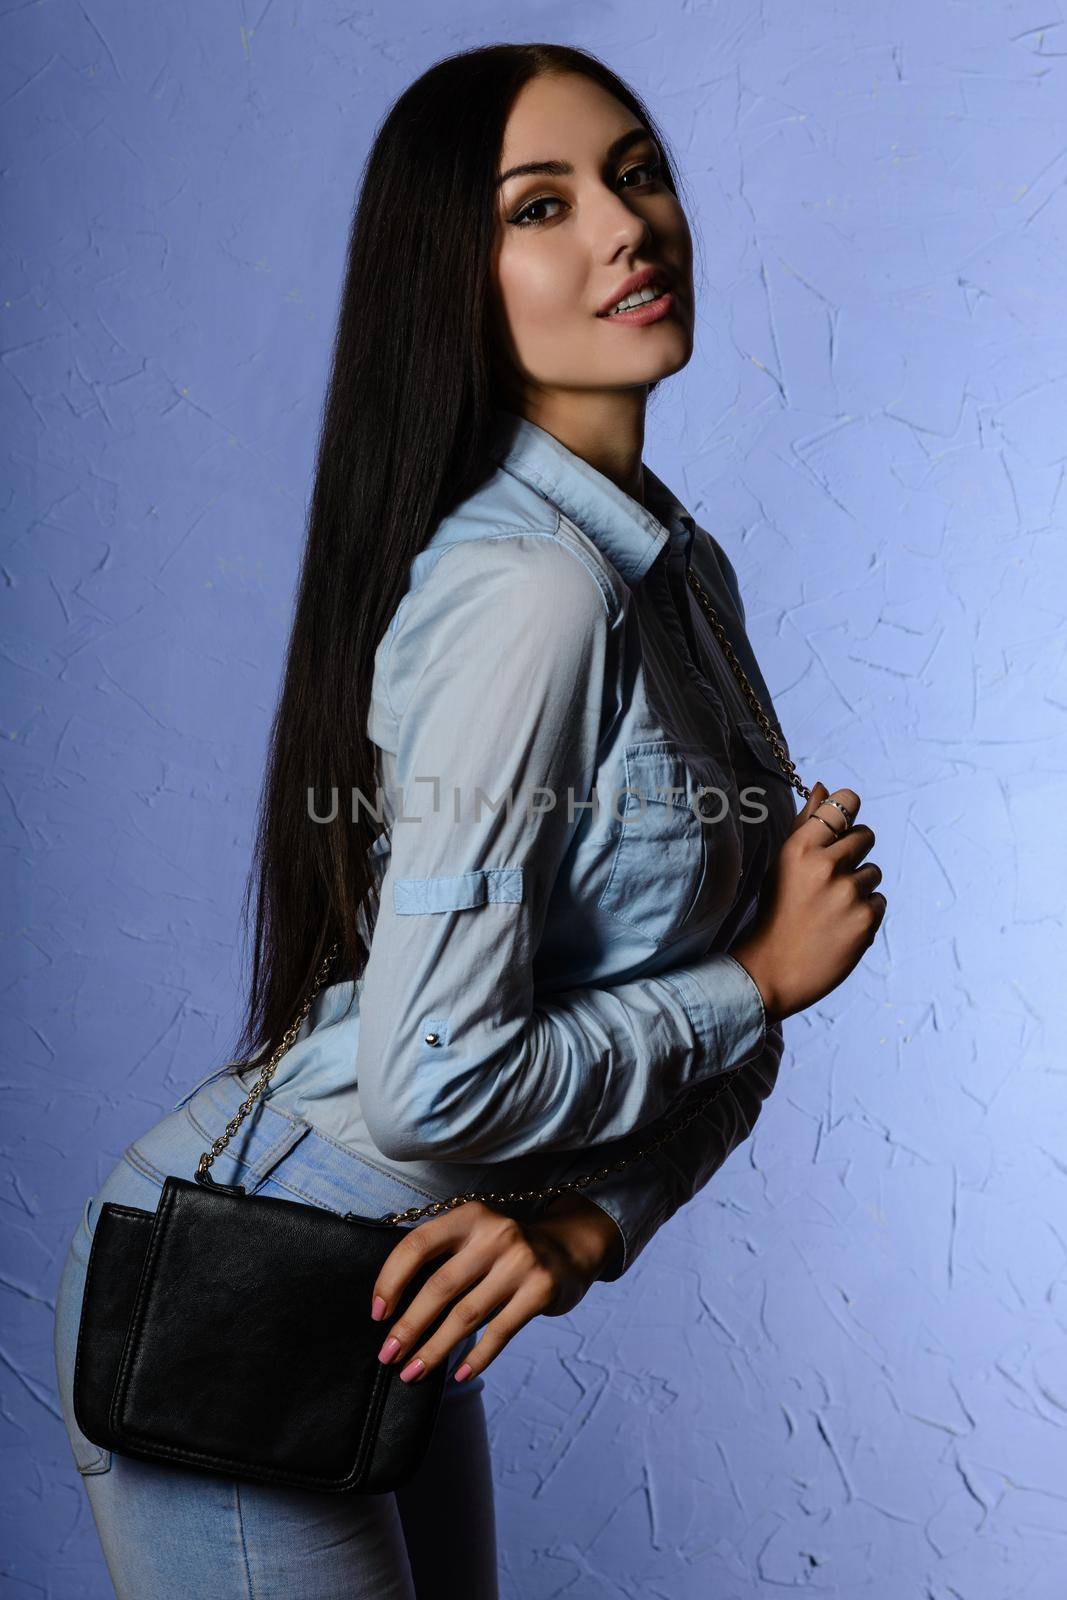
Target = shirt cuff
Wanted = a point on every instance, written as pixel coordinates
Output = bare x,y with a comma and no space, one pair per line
626,1203
726,1009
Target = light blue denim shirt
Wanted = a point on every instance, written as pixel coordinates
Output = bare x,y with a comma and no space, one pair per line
577,809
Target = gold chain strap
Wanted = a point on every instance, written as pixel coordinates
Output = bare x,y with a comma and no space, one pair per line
268,1071
489,1196
769,732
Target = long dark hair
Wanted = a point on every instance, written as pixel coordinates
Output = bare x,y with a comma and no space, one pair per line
419,364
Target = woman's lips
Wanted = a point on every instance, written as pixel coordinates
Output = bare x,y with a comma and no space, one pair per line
640,316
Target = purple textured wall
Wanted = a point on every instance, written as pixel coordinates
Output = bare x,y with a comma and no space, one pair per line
843,1367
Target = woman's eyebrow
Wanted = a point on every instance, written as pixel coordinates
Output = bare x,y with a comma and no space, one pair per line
559,169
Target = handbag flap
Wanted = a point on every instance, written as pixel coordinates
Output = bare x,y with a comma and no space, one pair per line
252,1323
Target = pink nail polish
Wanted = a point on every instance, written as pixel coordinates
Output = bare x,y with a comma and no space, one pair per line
412,1370
389,1349
377,1310
462,1372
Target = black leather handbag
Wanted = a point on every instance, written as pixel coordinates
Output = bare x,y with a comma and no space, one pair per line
231,1333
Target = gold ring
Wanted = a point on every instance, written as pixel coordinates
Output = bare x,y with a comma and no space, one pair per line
815,817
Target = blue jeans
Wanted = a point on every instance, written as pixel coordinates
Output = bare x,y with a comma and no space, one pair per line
168,1532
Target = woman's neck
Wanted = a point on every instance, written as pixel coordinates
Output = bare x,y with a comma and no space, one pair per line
606,430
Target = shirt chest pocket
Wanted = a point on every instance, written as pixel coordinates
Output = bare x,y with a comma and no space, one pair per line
677,846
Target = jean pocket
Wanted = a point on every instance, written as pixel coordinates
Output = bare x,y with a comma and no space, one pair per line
89,1458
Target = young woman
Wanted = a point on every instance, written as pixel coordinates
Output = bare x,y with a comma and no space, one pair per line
503,715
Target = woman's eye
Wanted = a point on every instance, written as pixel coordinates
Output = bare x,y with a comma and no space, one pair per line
533,222
654,167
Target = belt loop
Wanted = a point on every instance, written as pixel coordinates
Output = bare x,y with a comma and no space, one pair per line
258,1171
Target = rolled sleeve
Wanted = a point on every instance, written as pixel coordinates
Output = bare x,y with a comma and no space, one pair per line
502,666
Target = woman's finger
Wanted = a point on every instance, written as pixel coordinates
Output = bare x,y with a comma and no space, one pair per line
839,808
818,794
420,1245
527,1302
515,1294
494,1261
474,1249
402,1342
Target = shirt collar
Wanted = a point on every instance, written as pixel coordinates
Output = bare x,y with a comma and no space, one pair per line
628,533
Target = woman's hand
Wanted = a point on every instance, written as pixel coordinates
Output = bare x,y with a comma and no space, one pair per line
493,1265
818,907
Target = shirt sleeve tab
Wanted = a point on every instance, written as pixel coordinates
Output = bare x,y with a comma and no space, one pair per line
412,896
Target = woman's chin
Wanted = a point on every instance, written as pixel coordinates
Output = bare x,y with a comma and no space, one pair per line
671,352
656,371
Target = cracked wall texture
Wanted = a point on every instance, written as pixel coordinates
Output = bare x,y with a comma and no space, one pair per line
842,1368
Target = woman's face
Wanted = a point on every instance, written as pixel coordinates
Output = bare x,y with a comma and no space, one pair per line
568,242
